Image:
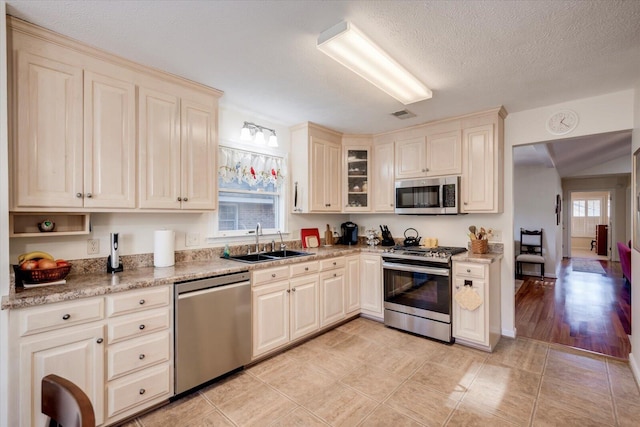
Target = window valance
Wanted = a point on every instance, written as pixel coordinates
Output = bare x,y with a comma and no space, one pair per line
256,170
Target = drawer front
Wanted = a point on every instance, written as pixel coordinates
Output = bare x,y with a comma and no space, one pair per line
134,390
133,301
133,355
270,275
304,268
138,325
329,264
60,315
469,269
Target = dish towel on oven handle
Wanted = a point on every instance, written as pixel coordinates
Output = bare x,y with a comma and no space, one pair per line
468,298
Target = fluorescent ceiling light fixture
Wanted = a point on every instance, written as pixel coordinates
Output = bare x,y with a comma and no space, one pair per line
349,46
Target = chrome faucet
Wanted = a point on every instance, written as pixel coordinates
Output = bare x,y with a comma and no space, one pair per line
283,247
258,232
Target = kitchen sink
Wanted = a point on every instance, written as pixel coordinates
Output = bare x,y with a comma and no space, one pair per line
286,254
267,256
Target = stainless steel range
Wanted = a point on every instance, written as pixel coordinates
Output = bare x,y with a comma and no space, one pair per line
417,290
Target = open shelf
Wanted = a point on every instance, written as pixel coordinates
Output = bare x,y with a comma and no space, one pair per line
26,224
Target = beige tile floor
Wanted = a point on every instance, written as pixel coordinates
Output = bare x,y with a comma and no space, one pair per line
364,374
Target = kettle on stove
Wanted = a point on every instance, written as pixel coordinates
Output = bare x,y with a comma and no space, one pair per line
349,233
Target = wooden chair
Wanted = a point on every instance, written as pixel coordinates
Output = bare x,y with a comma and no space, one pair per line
65,403
530,250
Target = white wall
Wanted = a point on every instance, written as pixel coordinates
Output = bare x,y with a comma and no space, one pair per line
4,221
634,357
534,200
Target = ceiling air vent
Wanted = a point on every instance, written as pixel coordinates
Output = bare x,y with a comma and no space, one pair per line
403,114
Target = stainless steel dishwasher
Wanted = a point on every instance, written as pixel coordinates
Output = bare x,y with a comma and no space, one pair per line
212,328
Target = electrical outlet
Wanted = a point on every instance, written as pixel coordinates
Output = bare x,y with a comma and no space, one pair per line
193,239
497,236
93,246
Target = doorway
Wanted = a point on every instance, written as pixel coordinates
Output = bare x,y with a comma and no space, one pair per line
589,226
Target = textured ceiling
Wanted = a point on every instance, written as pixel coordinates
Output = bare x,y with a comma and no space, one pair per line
474,55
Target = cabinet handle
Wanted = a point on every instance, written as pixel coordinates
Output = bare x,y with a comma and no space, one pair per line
99,340
141,356
142,301
465,203
141,327
185,199
66,317
79,195
142,391
89,195
179,199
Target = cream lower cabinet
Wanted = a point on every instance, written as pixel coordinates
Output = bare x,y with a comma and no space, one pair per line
371,292
332,291
121,360
352,284
284,304
66,339
479,328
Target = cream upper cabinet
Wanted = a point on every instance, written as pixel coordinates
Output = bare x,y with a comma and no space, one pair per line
444,156
47,167
316,169
109,142
483,164
177,151
159,139
73,128
410,158
383,186
356,166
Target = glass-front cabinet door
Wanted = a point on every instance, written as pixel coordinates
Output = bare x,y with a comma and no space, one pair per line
357,182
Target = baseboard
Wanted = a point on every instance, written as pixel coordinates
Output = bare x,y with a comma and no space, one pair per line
634,369
509,333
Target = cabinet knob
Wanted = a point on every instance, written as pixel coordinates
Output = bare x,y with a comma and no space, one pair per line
294,289
468,270
457,287
335,275
99,340
179,199
391,204
142,301
288,291
142,391
185,199
306,269
79,195
273,275
66,317
141,356
334,263
89,195
465,203
141,327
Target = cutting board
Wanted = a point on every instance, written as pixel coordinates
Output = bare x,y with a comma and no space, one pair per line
307,236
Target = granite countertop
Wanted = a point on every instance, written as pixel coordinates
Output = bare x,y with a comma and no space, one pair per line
96,284
487,258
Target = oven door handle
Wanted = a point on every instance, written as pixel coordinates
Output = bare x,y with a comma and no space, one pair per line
415,269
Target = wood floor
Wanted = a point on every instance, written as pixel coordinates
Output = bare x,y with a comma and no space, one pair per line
585,310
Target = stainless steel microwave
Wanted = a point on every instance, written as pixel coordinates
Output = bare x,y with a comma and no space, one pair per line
429,196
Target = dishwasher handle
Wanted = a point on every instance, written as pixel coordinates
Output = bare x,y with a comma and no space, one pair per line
195,293
211,282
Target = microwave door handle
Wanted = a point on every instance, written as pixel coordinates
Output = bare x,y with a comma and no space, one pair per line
415,269
441,190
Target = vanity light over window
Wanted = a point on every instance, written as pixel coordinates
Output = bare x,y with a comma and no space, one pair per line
349,46
250,131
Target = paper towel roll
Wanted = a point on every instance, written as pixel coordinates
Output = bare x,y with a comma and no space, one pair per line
164,248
